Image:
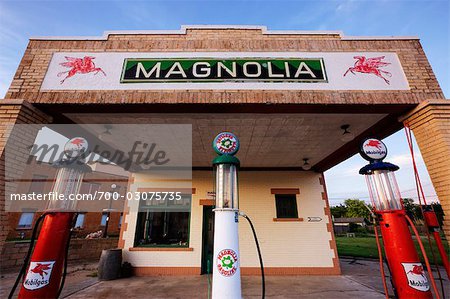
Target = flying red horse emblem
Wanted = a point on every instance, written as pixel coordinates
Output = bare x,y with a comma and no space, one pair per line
78,141
79,65
370,66
41,268
374,143
417,270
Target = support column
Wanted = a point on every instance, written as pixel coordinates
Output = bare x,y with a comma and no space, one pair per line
430,123
15,112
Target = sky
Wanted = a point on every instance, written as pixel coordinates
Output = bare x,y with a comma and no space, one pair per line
430,20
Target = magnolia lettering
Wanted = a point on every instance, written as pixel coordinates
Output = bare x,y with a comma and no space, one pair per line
190,70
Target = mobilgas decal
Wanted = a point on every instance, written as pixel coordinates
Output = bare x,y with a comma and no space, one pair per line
373,149
416,276
38,275
215,70
227,261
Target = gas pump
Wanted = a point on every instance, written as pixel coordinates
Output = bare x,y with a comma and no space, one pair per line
226,259
44,274
407,272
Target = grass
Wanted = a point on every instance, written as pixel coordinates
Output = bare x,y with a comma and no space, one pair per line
367,247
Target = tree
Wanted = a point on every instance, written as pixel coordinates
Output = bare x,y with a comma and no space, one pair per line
356,208
414,212
339,211
411,209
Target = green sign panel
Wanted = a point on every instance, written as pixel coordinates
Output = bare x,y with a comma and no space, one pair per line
223,70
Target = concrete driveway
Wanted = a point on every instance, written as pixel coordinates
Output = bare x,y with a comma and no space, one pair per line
360,279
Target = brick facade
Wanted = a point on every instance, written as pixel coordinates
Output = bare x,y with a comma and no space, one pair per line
430,123
80,250
92,218
15,112
32,69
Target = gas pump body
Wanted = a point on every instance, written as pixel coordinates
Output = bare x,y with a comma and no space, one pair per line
407,272
402,256
226,259
44,272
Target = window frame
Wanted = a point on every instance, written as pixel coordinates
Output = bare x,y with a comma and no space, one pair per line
101,219
277,212
30,226
164,245
82,224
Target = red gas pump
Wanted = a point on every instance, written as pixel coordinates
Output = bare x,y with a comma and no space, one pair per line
44,273
407,272
429,216
432,224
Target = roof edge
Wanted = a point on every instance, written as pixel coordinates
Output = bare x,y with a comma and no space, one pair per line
184,28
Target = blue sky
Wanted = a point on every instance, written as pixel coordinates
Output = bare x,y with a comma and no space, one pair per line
429,20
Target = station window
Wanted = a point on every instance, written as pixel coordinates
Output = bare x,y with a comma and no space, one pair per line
120,220
26,220
286,205
104,217
163,223
80,221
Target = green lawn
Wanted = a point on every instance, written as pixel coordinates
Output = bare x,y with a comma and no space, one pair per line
367,247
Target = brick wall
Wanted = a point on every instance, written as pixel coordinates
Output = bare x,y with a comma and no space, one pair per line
15,112
92,219
32,69
80,250
430,123
91,224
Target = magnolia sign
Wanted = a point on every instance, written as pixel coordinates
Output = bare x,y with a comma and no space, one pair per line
214,70
225,71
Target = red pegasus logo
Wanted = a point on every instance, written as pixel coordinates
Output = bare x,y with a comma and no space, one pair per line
78,141
374,143
79,65
370,66
417,270
40,269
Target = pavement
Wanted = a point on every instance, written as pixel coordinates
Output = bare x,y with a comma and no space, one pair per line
360,279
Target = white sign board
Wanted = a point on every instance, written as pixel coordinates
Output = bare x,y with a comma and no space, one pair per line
341,70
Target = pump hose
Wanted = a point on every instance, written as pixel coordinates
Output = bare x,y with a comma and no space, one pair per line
380,256
427,262
27,257
380,253
263,280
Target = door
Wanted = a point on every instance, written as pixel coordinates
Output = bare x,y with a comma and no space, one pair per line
208,239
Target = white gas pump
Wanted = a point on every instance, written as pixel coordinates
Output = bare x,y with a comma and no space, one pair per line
226,260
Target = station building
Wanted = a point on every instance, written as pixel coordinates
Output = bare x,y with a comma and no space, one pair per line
290,96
